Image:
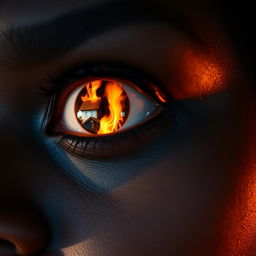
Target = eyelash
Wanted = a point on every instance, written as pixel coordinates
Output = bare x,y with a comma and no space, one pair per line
86,147
92,147
116,70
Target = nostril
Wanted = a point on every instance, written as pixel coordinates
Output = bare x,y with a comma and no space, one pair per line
22,233
7,248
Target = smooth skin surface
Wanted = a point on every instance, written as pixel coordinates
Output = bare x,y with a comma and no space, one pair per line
187,189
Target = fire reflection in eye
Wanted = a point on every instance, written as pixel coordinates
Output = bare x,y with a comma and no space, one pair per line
102,107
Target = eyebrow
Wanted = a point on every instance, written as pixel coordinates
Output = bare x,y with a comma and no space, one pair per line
45,41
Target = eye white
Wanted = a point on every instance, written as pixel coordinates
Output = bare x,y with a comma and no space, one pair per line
141,107
69,116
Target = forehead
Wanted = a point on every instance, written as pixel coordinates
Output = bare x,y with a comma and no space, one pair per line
18,17
28,11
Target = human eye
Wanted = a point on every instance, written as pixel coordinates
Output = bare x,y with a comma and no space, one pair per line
106,112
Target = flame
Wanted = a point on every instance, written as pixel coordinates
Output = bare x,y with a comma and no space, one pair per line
112,122
160,96
91,91
112,119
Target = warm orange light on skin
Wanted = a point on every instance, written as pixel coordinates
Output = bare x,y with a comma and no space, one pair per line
240,224
112,122
201,74
160,96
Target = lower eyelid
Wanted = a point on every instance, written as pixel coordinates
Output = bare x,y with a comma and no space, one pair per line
118,145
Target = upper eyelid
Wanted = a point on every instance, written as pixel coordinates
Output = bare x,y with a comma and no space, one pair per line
145,82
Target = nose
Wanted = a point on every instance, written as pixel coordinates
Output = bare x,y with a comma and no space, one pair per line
22,232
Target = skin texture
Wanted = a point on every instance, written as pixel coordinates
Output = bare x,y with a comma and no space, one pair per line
189,191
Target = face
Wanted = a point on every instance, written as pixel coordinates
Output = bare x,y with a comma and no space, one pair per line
161,163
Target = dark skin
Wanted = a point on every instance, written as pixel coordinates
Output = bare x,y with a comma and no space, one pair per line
186,189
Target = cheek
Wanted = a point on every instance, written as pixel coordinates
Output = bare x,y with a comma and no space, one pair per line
173,202
238,228
182,197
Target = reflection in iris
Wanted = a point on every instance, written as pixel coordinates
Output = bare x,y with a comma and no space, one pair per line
102,107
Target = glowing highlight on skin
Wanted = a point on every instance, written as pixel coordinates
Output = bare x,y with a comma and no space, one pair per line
240,236
202,74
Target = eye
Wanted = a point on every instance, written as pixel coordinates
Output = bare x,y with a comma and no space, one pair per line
104,106
101,116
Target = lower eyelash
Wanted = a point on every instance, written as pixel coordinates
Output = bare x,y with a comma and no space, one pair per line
118,144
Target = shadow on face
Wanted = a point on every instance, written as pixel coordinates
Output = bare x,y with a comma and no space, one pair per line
187,174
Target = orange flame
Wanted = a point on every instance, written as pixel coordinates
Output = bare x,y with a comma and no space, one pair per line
112,122
160,96
91,91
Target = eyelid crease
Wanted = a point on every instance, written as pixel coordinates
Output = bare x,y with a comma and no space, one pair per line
48,40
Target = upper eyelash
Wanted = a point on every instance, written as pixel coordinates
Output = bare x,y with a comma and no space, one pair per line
145,82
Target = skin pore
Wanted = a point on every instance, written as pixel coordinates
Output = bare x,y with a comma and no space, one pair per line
187,188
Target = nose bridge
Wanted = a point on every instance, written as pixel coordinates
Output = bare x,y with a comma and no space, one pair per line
14,154
16,131
19,154
23,228
20,102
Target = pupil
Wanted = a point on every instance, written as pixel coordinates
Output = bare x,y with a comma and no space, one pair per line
102,107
